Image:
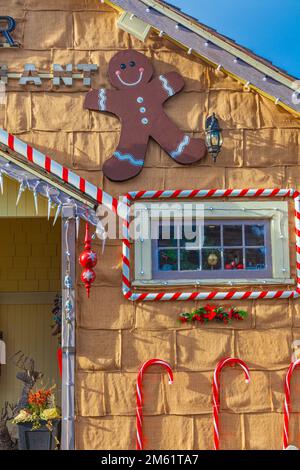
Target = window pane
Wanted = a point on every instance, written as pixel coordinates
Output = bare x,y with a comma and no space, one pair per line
189,235
232,235
255,258
254,235
220,248
189,260
211,259
233,258
166,236
212,235
167,260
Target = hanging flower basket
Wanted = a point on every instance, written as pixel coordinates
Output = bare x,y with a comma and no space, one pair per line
213,313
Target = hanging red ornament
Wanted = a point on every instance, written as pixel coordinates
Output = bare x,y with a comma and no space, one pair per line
88,276
88,260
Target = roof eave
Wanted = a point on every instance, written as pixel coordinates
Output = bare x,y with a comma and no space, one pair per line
43,169
212,48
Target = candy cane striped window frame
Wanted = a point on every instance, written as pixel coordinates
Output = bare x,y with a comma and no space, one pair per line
232,294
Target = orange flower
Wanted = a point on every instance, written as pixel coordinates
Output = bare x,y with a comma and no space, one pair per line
39,398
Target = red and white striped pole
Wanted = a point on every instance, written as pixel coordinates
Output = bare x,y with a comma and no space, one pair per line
228,361
287,402
139,396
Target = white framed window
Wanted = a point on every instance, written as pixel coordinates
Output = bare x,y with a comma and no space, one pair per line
236,243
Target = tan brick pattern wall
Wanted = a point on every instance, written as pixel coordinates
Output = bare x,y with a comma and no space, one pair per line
29,255
114,336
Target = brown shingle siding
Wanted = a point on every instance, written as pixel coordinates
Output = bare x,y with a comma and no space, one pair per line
114,335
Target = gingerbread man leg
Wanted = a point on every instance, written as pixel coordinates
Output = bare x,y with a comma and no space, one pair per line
178,145
127,160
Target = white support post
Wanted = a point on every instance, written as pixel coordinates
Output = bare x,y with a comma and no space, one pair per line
68,328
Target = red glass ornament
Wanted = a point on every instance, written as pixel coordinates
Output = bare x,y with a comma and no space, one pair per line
88,276
88,260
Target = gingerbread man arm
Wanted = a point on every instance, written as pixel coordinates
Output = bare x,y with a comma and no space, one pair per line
101,100
166,85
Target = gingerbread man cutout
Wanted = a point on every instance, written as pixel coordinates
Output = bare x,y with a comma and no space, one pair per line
138,102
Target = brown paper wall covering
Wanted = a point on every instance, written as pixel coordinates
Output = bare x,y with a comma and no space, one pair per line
114,336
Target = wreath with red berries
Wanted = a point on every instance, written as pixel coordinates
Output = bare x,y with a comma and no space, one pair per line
213,313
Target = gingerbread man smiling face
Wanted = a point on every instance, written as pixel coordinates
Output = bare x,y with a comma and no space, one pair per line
138,102
129,69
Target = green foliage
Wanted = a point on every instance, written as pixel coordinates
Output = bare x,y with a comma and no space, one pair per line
213,313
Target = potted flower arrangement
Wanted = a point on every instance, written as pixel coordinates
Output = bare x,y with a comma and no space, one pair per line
39,422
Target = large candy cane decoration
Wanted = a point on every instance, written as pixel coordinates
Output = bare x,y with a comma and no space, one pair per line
139,396
287,402
228,361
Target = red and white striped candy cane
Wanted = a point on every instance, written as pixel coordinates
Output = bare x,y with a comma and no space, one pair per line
287,402
139,396
228,361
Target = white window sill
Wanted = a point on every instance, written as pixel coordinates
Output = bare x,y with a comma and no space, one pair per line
212,282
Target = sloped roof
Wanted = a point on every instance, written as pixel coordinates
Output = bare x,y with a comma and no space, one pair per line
217,49
227,39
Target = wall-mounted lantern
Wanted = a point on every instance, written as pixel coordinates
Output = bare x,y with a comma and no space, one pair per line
213,136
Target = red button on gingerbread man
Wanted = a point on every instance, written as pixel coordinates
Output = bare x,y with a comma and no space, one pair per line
138,102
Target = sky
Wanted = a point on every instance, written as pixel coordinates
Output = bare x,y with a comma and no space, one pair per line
268,27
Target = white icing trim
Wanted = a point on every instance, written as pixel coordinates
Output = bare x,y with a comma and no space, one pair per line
131,84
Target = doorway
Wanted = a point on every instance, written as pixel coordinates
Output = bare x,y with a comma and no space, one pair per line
30,279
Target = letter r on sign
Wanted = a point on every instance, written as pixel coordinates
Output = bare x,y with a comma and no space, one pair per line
7,25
